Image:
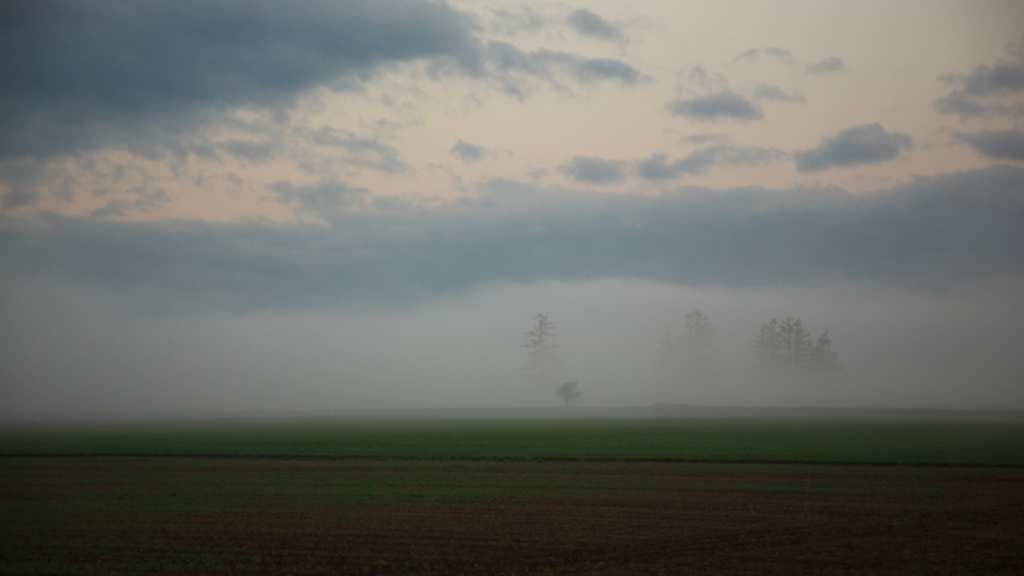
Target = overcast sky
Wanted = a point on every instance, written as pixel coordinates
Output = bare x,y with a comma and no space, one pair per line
219,205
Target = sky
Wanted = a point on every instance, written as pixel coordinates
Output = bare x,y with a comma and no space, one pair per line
216,206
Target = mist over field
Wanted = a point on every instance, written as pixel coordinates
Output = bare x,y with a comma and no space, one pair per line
337,206
74,351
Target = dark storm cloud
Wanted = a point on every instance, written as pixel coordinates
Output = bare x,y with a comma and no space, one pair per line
831,64
977,93
84,75
726,104
997,144
589,24
593,170
862,144
468,152
700,161
769,92
932,233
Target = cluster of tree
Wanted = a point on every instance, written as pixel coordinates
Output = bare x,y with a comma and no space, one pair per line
789,344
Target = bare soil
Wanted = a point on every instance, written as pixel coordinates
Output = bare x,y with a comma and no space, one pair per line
265,516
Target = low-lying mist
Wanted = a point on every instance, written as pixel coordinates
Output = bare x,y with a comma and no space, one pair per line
67,350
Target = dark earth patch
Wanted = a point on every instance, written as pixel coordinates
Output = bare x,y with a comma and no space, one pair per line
139,515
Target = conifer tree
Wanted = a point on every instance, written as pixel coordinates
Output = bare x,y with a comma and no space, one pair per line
541,350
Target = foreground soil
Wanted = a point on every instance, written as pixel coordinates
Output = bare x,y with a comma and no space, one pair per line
126,515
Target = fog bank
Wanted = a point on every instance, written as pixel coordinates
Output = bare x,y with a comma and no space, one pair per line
73,350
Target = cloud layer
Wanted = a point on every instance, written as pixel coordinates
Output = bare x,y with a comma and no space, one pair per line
931,233
83,75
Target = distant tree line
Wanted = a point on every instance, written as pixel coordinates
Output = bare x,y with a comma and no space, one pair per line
692,355
788,344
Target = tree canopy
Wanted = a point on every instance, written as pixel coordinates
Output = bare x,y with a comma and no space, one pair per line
569,391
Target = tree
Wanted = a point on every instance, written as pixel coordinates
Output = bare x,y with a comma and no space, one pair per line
823,356
767,344
698,343
569,392
541,351
795,341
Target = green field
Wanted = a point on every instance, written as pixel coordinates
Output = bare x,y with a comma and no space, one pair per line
514,497
696,440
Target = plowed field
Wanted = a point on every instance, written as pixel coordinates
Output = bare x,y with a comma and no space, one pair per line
185,515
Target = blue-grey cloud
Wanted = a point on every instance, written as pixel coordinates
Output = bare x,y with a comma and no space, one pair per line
608,69
592,170
324,200
769,92
22,178
83,75
704,138
997,144
830,64
468,152
260,151
511,64
725,104
926,235
364,152
657,167
513,22
146,200
771,51
977,93
589,24
112,209
862,144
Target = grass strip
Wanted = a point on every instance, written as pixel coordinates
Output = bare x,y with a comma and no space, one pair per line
696,440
